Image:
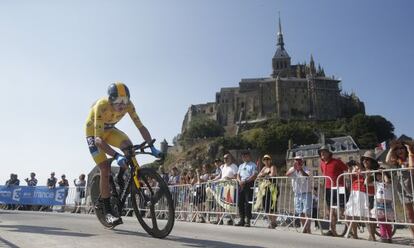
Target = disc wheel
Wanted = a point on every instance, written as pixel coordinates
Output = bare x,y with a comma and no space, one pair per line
153,204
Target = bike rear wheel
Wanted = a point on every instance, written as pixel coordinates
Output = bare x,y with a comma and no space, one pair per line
153,204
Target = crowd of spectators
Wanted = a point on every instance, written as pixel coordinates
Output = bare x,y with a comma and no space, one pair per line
366,196
51,183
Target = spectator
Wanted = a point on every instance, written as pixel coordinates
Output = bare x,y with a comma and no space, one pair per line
302,187
64,183
370,163
357,206
200,190
175,177
184,178
163,175
217,171
191,177
267,190
32,182
383,207
332,168
51,182
228,170
13,181
204,175
246,175
184,195
401,155
80,193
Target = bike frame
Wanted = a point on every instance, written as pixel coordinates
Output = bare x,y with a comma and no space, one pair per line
134,170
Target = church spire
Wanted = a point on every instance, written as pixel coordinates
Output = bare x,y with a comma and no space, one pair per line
281,59
280,42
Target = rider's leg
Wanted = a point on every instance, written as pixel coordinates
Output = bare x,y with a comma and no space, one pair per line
124,145
105,168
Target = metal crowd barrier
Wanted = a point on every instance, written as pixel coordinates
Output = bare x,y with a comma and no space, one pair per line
274,199
201,201
380,197
370,200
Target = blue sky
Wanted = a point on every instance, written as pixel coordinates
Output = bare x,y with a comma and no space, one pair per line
58,57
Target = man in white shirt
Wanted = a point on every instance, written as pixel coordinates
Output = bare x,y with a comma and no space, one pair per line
228,169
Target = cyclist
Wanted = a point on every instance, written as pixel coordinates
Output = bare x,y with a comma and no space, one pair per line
101,134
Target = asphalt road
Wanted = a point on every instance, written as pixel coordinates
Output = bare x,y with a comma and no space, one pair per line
39,229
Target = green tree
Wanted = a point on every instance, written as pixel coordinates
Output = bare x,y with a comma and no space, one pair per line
368,131
203,128
276,137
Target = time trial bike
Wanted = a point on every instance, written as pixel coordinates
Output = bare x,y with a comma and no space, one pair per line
145,189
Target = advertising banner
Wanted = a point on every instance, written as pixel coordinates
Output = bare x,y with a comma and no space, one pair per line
24,195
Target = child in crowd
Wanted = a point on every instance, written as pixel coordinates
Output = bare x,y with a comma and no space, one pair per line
383,208
357,207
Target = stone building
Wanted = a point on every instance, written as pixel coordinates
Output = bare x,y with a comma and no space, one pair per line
292,92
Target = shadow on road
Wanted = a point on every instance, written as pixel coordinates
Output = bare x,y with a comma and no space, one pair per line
44,230
189,241
403,241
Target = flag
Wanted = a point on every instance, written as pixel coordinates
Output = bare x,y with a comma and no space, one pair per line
382,146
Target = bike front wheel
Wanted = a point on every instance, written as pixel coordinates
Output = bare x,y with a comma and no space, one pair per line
153,204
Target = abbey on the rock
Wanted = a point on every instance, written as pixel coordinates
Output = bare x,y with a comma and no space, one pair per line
292,92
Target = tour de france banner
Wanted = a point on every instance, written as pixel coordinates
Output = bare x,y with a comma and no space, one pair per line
24,195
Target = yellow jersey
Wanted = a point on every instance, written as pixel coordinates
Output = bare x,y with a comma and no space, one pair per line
103,116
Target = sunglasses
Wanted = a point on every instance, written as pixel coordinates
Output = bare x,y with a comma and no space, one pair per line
122,100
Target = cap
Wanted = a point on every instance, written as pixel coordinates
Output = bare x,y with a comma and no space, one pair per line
298,157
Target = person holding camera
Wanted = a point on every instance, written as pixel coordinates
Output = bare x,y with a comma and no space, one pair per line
32,182
80,193
302,187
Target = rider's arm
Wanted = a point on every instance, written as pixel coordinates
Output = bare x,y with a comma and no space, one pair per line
142,129
145,134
